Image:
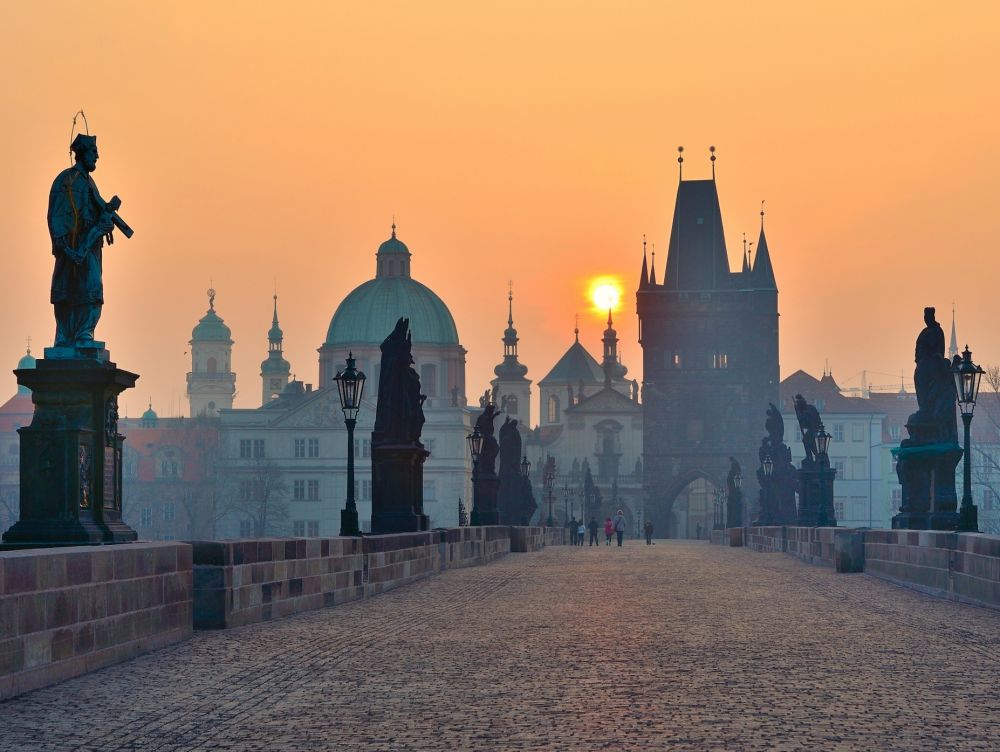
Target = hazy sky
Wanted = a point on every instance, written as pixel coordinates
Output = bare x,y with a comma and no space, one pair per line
256,144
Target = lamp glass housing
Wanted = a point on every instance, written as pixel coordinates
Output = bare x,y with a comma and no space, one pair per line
525,466
738,480
822,441
350,387
968,377
768,466
475,441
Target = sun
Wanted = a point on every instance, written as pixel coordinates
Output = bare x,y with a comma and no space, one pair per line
605,294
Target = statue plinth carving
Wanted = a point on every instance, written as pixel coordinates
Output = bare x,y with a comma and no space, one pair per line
926,461
398,456
71,456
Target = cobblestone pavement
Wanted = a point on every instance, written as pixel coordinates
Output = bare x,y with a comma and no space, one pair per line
673,646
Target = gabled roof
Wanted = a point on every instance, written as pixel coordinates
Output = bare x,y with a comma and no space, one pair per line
574,366
606,400
16,412
825,389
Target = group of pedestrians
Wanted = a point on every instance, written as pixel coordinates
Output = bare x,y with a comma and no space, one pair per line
612,528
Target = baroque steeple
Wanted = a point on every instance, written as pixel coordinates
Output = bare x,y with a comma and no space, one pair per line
274,370
510,369
953,344
613,369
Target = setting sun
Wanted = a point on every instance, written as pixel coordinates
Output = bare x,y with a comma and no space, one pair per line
605,293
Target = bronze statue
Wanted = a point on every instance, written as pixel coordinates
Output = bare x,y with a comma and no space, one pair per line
79,222
399,413
809,425
491,448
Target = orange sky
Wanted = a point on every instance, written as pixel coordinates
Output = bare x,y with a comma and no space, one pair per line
256,143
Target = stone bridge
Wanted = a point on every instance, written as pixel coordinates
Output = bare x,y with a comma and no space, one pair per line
677,645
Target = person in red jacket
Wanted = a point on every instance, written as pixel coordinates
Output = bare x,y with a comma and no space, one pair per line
609,530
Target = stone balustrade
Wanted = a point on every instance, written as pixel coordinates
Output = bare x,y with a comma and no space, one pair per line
68,611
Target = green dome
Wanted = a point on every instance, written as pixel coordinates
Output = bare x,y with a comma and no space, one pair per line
27,360
211,328
369,313
150,415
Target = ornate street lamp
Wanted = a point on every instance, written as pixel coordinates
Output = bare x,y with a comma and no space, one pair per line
822,442
738,480
525,467
350,387
547,481
768,465
967,378
475,441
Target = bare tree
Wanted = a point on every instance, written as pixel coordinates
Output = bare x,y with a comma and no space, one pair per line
259,494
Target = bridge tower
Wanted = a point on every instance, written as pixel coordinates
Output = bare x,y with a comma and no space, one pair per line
709,340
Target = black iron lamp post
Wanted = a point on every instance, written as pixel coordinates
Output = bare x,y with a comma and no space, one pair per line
525,467
967,377
822,444
350,386
734,510
548,479
768,466
475,442
717,519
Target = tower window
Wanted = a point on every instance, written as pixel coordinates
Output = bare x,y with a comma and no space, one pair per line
553,409
212,365
720,360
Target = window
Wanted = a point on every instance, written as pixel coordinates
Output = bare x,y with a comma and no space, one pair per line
838,431
313,448
298,490
720,360
246,449
675,359
896,499
258,448
212,366
429,444
299,528
246,490
246,528
357,447
821,404
857,432
838,509
366,490
146,517
511,404
312,528
894,432
366,448
313,490
858,470
428,379
169,511
430,490
553,411
838,465
300,448
167,463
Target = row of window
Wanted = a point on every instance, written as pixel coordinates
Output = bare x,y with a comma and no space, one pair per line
301,448
168,510
678,359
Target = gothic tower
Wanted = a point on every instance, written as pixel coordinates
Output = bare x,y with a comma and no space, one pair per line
709,338
511,388
211,384
275,370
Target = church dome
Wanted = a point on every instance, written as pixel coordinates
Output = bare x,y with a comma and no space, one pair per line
211,327
27,360
370,311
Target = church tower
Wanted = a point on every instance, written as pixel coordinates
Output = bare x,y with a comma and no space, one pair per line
709,338
275,370
211,384
511,388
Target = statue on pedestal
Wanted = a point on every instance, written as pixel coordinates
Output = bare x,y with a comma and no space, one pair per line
777,494
397,454
515,499
926,461
809,425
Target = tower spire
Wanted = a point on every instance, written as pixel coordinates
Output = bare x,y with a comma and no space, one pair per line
953,344
711,150
746,258
652,271
644,276
576,327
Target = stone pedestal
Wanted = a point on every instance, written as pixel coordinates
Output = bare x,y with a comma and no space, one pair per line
71,454
927,474
816,494
734,509
485,489
398,488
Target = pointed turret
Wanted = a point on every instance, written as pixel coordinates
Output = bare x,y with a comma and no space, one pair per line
644,277
763,272
613,370
652,271
746,258
511,387
953,345
510,369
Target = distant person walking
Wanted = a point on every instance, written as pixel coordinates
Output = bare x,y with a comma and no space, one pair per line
620,526
572,531
581,533
698,532
593,526
609,530
648,530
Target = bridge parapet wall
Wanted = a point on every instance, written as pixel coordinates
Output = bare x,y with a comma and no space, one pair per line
68,611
